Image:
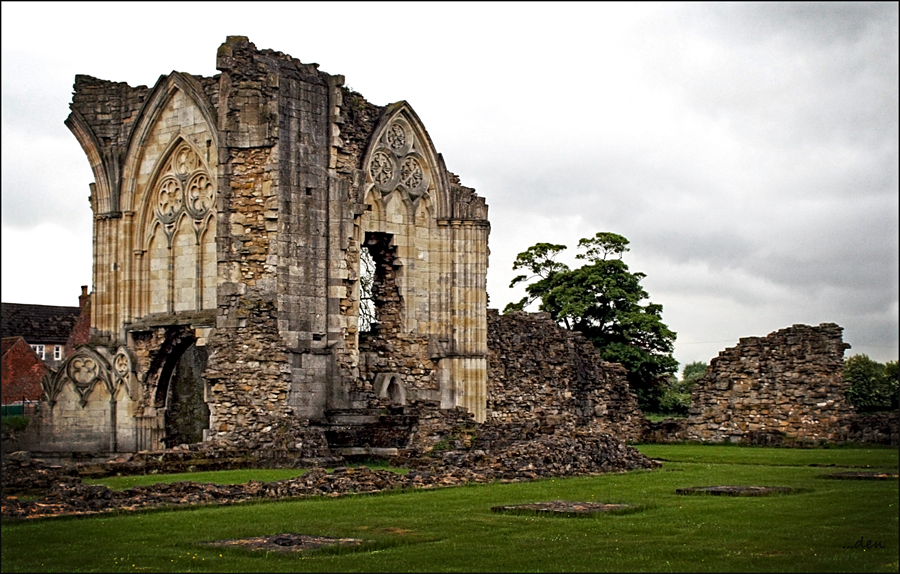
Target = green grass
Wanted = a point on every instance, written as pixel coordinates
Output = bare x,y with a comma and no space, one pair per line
655,417
880,457
240,476
216,476
454,530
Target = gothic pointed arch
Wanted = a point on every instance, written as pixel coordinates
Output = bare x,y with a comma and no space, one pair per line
102,197
424,212
155,105
402,157
84,369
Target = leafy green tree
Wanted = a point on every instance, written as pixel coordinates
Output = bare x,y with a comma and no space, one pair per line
693,372
603,300
676,394
873,385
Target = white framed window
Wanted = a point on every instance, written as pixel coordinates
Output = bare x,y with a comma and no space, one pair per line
57,352
39,349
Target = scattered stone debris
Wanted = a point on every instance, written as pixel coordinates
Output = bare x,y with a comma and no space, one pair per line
864,475
564,508
287,542
24,474
736,490
515,461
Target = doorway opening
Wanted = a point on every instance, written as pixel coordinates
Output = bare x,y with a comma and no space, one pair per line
182,386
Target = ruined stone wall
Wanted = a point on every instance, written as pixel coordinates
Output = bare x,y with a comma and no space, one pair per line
787,385
438,231
102,116
233,208
541,375
387,350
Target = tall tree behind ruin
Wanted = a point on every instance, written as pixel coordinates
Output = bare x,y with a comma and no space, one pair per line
604,300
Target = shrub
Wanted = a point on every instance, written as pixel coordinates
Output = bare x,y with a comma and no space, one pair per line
15,422
675,398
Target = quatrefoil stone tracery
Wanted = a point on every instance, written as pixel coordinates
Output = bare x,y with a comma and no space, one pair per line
396,137
412,176
382,168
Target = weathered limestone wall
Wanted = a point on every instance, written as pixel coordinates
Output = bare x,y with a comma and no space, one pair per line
540,374
228,218
91,404
788,385
388,354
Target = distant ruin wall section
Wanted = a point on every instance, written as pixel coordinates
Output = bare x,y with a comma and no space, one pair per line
542,374
787,385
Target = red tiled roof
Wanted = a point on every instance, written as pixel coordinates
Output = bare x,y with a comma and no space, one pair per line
6,343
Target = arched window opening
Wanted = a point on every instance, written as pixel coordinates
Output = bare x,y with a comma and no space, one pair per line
379,293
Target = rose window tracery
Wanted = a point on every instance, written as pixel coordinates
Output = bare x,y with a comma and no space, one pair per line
396,137
185,185
395,162
200,194
412,176
169,198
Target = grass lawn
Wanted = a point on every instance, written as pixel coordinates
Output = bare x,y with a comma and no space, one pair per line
240,476
451,530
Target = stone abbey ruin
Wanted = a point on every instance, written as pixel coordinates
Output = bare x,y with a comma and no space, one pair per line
233,216
233,307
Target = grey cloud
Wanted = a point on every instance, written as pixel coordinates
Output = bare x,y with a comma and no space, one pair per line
824,22
756,179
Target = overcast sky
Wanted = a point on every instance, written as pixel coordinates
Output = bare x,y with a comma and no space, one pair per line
748,152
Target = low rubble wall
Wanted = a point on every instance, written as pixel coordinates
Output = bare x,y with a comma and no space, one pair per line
860,428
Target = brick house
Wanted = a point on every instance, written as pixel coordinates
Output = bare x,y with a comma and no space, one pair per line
22,371
47,328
